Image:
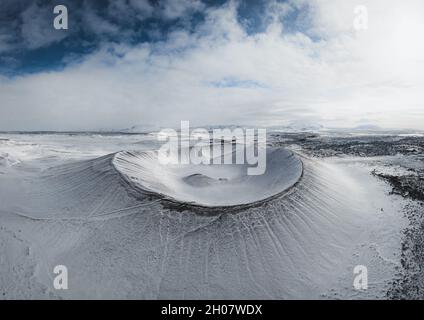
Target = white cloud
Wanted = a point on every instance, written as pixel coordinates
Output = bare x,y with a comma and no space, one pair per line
36,27
172,9
343,79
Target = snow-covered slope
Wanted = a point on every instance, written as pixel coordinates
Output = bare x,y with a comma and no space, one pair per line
119,242
210,185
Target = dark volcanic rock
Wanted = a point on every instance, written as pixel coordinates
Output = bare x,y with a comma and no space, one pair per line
411,186
361,146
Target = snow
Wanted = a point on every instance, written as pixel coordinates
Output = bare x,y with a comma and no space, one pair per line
69,201
210,185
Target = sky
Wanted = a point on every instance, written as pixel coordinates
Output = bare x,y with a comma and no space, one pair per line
267,63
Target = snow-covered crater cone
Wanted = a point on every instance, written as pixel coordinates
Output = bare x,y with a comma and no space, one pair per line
214,185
